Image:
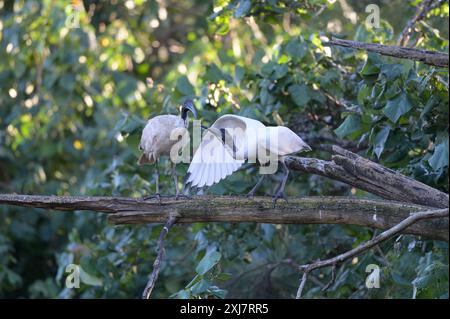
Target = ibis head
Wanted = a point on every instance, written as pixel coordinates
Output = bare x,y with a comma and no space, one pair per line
188,105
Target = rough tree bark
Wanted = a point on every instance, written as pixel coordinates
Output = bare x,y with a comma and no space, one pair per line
428,57
357,171
379,214
345,166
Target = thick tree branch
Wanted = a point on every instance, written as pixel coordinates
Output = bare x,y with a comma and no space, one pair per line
439,59
159,258
378,214
364,174
391,232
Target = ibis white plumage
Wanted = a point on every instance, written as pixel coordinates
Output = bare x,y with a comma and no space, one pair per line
232,140
156,139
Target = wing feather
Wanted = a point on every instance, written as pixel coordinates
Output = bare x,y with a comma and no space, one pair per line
211,163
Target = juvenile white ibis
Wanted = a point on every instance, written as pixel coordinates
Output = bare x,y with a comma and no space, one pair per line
156,141
232,140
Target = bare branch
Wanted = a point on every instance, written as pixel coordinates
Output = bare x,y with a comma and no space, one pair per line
159,258
438,59
391,232
378,214
357,171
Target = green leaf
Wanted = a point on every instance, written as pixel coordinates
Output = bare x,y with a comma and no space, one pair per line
295,49
243,8
239,73
182,294
200,287
184,86
351,124
300,94
89,279
216,291
439,159
87,264
224,276
399,280
380,140
210,259
363,93
214,74
223,29
397,107
281,70
67,81
371,66
264,96
391,71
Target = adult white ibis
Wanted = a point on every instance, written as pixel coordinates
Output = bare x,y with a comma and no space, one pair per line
232,140
156,139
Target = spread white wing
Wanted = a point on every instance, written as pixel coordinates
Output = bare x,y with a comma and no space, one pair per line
212,162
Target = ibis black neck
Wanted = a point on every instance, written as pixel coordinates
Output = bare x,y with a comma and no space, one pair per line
184,112
222,133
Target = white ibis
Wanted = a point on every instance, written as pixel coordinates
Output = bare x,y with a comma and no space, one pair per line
232,140
156,141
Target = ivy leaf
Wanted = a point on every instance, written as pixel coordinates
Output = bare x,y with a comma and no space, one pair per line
295,49
281,70
392,71
439,159
397,107
380,140
371,67
210,259
300,94
350,125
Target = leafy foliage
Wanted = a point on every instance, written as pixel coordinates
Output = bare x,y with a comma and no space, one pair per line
73,101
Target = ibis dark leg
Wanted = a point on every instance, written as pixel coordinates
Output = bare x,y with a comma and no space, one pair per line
175,180
255,188
280,192
157,194
157,179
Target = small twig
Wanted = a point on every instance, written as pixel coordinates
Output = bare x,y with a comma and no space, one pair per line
391,232
422,10
302,283
333,278
159,258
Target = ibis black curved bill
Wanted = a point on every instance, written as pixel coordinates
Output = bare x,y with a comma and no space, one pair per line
188,105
